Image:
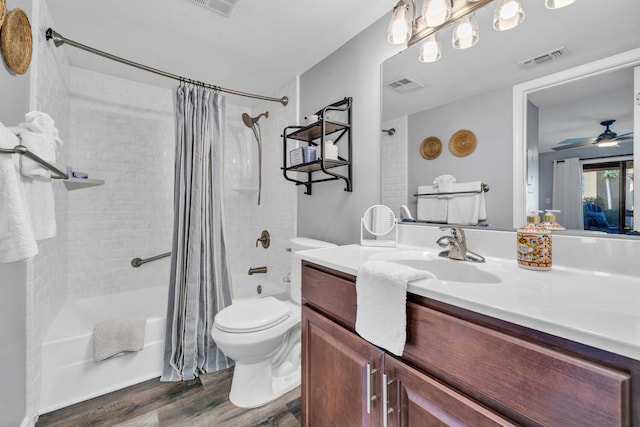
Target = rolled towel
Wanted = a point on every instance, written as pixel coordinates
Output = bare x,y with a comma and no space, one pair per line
381,293
116,336
445,184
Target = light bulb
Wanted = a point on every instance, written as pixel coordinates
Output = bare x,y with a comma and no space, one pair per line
465,32
436,12
399,30
508,14
430,50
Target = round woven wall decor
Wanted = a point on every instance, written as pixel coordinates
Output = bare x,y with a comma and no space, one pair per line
16,41
462,143
431,147
3,10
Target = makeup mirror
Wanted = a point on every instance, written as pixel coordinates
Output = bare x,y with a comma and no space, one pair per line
378,227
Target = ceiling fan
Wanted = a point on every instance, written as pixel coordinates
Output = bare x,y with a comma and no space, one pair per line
608,138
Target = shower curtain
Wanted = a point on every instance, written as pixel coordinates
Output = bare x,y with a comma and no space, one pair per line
567,192
200,283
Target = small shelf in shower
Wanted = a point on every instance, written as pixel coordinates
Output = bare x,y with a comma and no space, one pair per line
79,183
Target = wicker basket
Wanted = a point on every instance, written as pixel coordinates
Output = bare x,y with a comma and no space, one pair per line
16,41
462,143
431,147
3,10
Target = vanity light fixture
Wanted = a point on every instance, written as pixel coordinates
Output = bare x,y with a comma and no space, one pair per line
557,4
438,14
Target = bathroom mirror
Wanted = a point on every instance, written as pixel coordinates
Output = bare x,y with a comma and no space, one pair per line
377,225
473,89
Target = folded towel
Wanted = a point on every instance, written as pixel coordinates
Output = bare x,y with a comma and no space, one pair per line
115,336
467,208
16,237
432,209
445,184
381,291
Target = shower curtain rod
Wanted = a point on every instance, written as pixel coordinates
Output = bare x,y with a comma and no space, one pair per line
59,40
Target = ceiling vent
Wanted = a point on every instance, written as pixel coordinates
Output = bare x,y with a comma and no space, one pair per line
223,7
404,85
545,57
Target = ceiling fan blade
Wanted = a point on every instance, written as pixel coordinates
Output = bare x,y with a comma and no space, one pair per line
626,136
573,143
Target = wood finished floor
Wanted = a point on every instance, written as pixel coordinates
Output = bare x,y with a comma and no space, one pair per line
202,402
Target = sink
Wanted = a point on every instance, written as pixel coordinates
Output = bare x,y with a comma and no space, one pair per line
450,270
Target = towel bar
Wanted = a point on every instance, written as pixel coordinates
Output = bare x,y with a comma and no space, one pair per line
24,151
485,188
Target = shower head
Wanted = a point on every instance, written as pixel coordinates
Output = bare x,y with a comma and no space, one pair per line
250,121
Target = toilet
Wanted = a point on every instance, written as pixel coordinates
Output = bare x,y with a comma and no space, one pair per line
263,337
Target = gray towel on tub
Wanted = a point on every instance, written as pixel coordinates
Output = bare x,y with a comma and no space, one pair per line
115,336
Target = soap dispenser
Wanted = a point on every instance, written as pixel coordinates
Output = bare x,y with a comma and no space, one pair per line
534,217
534,247
549,220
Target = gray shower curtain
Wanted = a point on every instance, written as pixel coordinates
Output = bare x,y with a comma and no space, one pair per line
200,280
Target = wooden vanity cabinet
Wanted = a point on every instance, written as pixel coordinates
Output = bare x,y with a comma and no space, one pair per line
459,368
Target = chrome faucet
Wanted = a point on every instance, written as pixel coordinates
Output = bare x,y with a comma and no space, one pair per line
255,270
457,244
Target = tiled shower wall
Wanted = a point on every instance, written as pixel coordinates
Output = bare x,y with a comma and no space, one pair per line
393,170
278,208
47,272
123,132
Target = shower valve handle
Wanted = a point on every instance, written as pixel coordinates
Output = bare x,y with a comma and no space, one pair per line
265,239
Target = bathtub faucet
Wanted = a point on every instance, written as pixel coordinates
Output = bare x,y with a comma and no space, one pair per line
254,270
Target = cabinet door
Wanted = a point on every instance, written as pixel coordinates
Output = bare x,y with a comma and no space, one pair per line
416,400
340,375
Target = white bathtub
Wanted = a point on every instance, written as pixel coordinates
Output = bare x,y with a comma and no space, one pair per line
69,373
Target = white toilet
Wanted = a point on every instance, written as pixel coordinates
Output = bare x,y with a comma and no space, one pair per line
263,337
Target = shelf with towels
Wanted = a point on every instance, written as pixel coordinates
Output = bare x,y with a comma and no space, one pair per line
484,189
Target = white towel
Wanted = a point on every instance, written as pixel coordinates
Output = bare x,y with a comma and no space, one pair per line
467,209
381,316
445,184
115,336
40,136
16,237
431,208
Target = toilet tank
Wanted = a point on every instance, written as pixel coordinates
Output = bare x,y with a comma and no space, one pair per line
301,244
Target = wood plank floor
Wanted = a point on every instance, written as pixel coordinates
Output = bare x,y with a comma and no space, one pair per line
202,402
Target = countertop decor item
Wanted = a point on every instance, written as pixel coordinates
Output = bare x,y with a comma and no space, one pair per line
462,143
3,9
431,147
16,40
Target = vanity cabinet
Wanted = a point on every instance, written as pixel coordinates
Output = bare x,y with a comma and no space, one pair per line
458,368
314,135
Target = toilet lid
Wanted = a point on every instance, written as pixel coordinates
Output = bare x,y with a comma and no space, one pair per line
252,315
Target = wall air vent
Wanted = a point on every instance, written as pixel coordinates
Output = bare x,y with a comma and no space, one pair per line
223,7
545,57
404,85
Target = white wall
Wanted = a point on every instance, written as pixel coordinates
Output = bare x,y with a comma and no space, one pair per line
353,70
14,103
489,117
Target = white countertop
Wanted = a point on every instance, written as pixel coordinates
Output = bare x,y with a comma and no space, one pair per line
596,308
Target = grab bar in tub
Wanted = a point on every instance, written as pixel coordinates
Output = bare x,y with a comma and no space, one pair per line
137,262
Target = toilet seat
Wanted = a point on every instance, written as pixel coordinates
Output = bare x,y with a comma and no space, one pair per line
252,315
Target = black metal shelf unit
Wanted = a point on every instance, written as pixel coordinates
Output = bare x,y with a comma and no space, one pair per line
314,134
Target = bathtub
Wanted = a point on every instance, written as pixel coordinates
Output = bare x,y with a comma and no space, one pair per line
69,373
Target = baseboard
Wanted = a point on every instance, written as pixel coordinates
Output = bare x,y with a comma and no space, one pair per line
28,422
